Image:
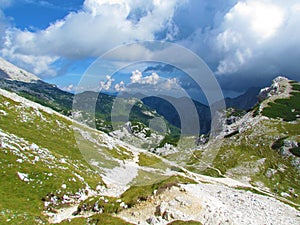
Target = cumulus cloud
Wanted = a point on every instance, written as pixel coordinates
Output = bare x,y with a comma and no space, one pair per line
4,22
98,27
69,88
246,42
259,39
243,41
170,83
120,86
248,25
151,79
105,85
137,78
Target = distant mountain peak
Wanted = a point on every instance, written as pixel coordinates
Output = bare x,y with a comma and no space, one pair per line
245,101
276,88
12,72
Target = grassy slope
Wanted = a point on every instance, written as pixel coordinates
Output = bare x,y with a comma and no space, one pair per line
32,133
62,102
287,109
28,133
98,219
244,155
249,156
58,156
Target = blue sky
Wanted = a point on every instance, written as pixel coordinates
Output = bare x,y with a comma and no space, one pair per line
244,42
36,15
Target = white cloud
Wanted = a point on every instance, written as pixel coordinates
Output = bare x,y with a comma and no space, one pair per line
151,79
250,42
105,85
130,53
69,88
170,83
137,78
120,86
247,26
255,36
240,38
98,27
262,17
103,7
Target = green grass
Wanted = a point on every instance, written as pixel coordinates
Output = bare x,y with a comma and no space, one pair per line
140,193
98,219
109,205
287,109
240,158
211,172
172,138
256,110
23,201
150,161
121,153
296,86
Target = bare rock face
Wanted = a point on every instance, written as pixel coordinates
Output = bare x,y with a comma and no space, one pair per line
274,89
152,220
12,72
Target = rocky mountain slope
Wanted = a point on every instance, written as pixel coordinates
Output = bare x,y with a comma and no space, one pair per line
56,170
45,176
245,101
259,148
29,86
12,72
15,79
168,111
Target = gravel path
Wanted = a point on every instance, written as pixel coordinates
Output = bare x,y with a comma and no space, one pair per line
212,204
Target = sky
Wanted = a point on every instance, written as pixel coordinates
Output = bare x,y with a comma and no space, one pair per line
245,43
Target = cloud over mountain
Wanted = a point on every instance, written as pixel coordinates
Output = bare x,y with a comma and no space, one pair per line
259,39
243,41
98,27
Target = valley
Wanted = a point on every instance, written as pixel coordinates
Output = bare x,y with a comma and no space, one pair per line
56,170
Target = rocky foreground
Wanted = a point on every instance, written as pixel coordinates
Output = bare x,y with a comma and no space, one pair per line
212,204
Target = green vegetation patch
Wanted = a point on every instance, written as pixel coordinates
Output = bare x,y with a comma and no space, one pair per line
295,151
149,161
109,205
121,153
98,219
59,170
278,143
172,138
287,109
137,194
296,86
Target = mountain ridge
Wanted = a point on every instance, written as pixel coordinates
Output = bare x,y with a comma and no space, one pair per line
95,199
244,101
10,71
114,188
